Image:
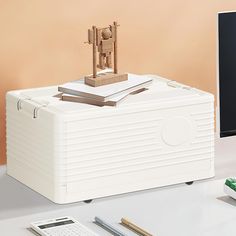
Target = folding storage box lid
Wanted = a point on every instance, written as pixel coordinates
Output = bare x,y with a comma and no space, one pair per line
161,91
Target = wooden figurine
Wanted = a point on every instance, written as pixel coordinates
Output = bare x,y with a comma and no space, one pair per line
104,41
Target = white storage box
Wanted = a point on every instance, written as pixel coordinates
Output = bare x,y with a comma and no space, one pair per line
71,152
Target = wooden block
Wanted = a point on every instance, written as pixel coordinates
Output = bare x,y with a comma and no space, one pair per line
90,36
105,79
98,36
107,46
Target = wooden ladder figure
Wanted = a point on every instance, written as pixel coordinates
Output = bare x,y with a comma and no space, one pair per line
104,41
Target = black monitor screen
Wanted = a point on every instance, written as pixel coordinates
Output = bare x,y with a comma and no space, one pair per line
227,73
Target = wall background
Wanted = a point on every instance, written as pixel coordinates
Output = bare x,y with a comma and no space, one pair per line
41,41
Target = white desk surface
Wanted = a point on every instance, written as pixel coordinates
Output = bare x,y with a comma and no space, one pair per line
201,209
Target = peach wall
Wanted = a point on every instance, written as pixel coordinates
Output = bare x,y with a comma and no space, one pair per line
41,41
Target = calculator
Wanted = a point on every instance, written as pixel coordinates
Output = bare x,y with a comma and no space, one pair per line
63,226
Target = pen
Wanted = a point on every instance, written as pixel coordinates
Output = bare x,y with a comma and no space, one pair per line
109,227
134,227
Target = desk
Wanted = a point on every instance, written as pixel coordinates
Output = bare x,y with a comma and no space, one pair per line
201,209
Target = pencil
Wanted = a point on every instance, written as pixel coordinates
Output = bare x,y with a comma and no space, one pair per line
134,227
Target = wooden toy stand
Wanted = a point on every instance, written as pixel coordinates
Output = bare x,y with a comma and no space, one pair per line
104,40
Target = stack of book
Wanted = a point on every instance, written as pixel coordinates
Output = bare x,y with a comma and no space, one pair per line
106,95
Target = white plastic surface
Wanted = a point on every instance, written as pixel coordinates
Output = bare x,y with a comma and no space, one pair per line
72,152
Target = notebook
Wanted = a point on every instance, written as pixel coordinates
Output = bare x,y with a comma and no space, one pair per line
107,92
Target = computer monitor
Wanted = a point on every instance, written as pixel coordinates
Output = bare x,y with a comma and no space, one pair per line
227,72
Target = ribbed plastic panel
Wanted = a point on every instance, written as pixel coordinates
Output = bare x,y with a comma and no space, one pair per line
72,152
